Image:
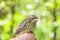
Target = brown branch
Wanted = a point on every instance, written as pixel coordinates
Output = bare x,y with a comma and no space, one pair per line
13,11
54,15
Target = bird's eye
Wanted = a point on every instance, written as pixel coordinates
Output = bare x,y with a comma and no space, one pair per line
33,18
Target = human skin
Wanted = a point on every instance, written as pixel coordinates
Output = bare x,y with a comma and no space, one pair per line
25,36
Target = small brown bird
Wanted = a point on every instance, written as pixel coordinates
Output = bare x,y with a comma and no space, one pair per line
27,25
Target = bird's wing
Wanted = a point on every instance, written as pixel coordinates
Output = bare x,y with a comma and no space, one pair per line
21,28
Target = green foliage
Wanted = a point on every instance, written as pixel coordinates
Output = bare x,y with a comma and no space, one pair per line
42,8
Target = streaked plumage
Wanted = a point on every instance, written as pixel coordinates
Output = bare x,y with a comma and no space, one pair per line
27,25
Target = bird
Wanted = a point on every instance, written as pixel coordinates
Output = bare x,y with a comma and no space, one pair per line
26,25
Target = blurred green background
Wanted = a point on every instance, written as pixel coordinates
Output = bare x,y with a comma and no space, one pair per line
13,12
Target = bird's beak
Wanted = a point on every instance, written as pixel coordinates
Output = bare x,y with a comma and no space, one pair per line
36,19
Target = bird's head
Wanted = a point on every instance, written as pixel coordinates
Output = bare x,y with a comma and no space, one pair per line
33,19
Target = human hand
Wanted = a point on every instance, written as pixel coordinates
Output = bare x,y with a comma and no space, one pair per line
25,36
